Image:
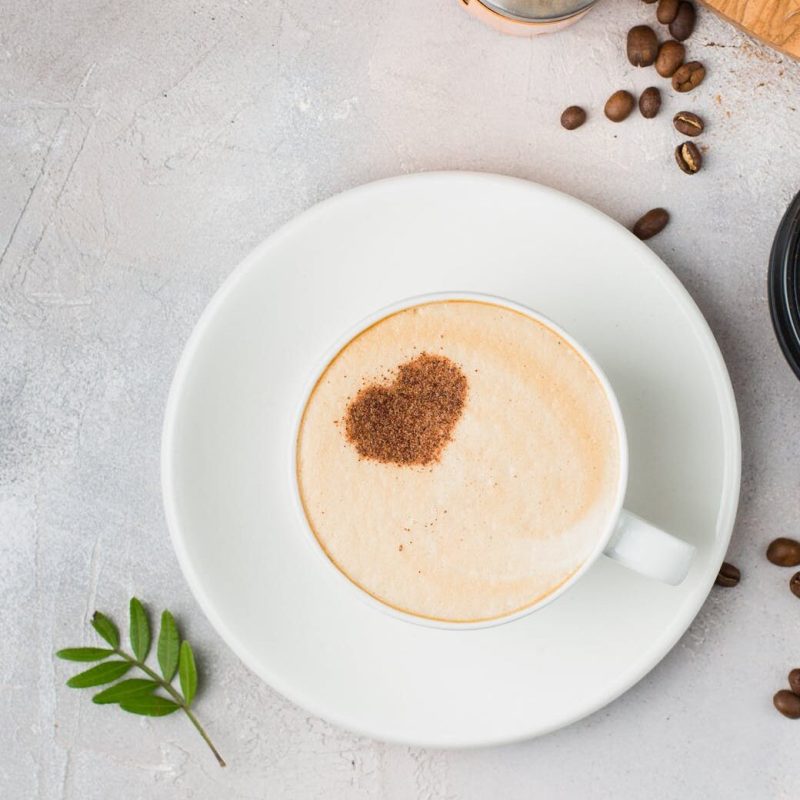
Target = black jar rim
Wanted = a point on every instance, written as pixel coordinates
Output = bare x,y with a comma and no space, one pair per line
784,285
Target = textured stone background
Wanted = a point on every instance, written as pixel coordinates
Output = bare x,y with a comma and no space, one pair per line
148,147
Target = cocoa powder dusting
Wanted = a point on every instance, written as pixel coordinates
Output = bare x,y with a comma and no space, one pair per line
410,421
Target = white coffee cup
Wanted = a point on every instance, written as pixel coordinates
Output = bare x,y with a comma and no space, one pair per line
627,538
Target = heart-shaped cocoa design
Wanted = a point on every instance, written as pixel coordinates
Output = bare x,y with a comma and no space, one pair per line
410,421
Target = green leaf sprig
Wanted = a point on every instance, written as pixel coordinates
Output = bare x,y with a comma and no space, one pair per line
140,695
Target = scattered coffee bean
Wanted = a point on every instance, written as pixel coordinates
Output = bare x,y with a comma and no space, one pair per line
794,584
688,157
573,117
650,102
794,681
619,106
651,223
667,11
688,124
784,552
682,26
728,575
642,46
688,76
670,57
788,703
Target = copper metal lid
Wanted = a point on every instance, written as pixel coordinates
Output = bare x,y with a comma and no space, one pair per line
538,10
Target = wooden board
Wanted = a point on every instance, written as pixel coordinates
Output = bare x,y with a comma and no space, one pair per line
776,22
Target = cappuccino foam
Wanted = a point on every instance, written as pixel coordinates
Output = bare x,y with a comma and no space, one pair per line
518,491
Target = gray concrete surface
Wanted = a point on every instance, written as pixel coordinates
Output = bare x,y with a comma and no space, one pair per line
147,148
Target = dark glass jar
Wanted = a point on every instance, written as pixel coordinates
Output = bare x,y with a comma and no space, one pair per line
784,285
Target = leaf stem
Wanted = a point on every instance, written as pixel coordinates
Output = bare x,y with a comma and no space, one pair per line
177,697
203,733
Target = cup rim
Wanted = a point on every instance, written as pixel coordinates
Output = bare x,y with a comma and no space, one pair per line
439,297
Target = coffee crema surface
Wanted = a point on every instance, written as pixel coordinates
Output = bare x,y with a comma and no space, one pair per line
458,460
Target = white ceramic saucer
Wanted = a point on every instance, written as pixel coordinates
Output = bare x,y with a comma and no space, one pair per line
227,446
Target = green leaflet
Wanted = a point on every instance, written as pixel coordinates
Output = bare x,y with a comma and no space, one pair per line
124,690
84,653
140,630
188,673
149,705
168,646
96,676
106,628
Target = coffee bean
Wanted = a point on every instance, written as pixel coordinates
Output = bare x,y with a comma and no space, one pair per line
794,681
651,223
728,575
688,157
670,57
619,106
573,117
667,11
642,46
688,76
650,102
788,703
682,26
688,124
784,552
649,2
794,584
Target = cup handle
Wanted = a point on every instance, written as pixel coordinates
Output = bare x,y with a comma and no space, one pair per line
648,550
